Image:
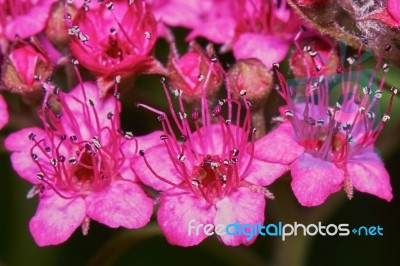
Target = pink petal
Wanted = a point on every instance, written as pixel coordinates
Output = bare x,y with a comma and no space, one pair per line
3,112
161,163
33,22
56,218
122,203
393,7
147,141
179,209
216,30
268,49
314,180
244,207
261,173
368,174
279,146
19,144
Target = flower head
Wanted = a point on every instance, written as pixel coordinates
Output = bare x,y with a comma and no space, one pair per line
331,146
3,112
114,38
207,174
79,163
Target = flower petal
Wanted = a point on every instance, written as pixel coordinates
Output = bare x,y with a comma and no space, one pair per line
393,7
178,210
314,180
3,112
122,203
244,207
161,164
253,45
56,218
368,174
279,146
262,173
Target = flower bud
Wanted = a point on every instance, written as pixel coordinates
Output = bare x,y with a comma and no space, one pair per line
250,77
189,72
56,29
24,67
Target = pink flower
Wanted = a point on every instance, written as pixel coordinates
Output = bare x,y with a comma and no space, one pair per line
24,18
248,27
329,148
3,112
79,163
114,38
206,174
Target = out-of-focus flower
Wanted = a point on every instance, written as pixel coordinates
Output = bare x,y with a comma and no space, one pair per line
248,27
114,38
3,112
207,174
79,163
187,72
24,68
24,18
330,148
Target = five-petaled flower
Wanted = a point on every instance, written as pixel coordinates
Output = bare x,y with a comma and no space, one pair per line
207,174
330,148
114,38
79,163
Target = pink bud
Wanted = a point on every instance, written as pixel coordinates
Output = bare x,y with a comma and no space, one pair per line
25,67
250,78
189,73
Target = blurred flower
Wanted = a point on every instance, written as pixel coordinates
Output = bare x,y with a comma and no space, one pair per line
3,112
79,163
187,72
248,27
24,18
330,148
24,67
208,176
114,38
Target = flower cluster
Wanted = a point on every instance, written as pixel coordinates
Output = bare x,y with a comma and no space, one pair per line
209,160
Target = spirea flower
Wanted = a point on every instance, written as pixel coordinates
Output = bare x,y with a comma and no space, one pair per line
206,174
330,145
24,18
3,112
79,164
114,38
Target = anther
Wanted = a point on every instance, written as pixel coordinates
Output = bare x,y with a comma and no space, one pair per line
47,149
235,152
34,157
243,92
32,136
195,182
385,118
378,94
72,160
141,152
367,90
181,157
110,6
128,135
163,137
53,162
91,102
40,176
73,138
288,113
110,115
117,79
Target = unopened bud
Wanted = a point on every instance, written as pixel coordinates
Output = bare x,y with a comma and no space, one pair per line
250,78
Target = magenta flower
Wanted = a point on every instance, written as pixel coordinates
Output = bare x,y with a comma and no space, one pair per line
114,38
329,148
3,112
248,27
207,175
79,164
24,18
